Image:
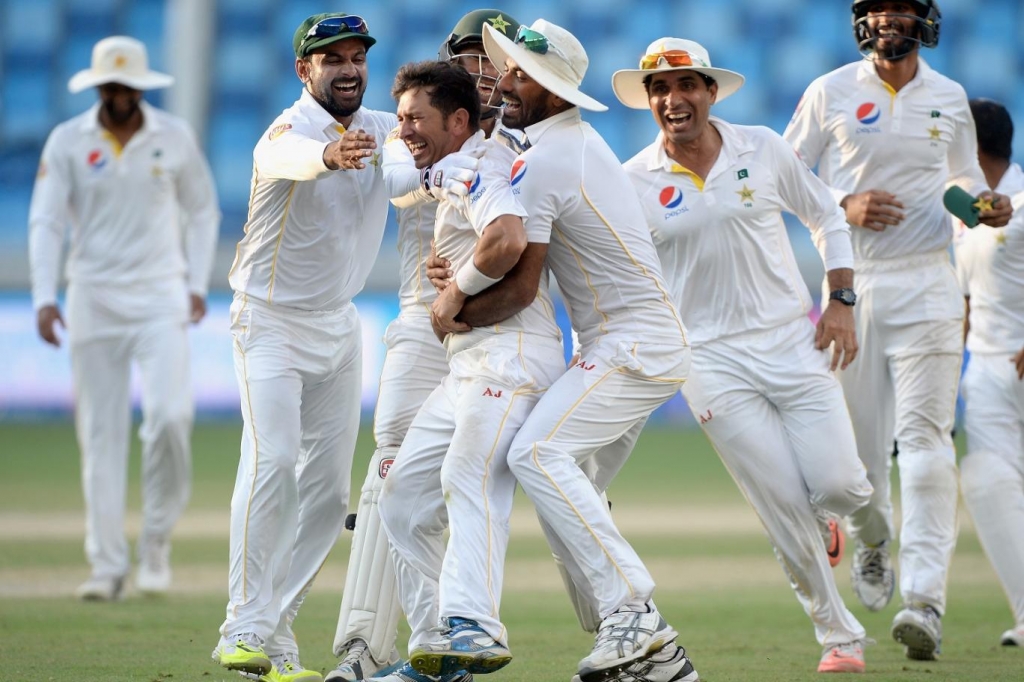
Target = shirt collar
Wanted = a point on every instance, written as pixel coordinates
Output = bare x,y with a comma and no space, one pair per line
866,72
735,143
537,130
319,116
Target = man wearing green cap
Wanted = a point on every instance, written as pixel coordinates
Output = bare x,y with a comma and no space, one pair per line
368,621
316,218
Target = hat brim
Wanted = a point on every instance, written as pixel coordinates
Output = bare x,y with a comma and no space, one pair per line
87,78
499,48
628,84
369,40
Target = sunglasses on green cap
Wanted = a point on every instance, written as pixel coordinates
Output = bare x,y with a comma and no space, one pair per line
333,26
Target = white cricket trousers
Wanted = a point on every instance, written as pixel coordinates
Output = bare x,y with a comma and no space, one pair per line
776,416
992,473
614,387
299,376
414,365
108,331
903,384
451,468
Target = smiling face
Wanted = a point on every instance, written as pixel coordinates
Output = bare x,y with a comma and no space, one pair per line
335,76
429,135
525,100
894,26
474,60
681,104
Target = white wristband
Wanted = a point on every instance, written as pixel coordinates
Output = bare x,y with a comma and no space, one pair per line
471,280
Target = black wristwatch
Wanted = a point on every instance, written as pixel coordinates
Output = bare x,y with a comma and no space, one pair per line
844,296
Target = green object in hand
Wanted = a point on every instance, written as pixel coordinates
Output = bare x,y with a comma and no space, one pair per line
961,204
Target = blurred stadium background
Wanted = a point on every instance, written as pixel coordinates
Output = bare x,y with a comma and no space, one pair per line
233,64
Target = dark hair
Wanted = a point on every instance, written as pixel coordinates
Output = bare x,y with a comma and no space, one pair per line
995,128
708,80
450,86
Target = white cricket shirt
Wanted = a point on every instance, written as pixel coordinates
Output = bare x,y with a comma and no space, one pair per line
581,201
722,241
140,216
313,233
460,224
415,211
863,135
990,267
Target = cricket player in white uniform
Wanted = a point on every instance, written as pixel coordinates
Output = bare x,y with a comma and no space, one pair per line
316,218
760,383
414,365
887,134
133,185
451,466
634,354
990,266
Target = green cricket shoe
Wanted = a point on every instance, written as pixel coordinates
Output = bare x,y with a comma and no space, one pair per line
243,652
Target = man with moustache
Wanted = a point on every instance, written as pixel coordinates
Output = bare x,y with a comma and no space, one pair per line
633,347
132,183
316,218
888,134
761,385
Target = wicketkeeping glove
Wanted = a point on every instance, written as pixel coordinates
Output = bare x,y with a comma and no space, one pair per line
452,176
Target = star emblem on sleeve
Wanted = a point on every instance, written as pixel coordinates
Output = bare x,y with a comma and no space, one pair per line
746,194
375,159
500,23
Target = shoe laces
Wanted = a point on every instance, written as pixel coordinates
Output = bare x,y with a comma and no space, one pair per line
873,562
287,663
355,652
250,638
457,625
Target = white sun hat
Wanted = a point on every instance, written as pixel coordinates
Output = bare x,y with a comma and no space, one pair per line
119,59
671,54
547,53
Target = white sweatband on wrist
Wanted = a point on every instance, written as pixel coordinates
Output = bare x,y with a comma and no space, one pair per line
471,280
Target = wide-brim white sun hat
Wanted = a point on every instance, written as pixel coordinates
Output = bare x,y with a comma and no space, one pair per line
119,59
550,55
671,54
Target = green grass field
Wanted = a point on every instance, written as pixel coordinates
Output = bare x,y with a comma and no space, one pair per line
718,582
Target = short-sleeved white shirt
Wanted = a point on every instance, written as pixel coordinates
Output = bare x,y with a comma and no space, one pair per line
861,134
313,233
141,216
581,202
723,244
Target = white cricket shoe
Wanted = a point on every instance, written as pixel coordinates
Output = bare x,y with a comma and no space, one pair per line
668,665
358,664
919,628
154,573
623,638
101,589
1014,637
872,576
